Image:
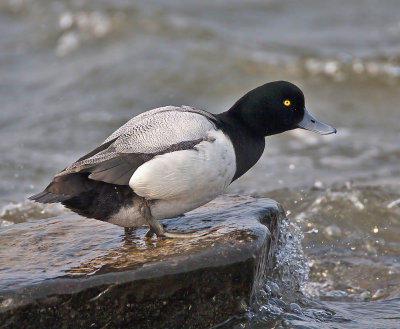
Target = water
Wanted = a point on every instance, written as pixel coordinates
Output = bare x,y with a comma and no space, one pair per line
72,72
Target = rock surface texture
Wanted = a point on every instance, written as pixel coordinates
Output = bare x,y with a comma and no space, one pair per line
71,272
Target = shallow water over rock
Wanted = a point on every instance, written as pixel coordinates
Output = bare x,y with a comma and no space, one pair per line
200,281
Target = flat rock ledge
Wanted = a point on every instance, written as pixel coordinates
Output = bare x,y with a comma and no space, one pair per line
71,272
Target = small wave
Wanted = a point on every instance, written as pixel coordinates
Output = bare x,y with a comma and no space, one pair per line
13,213
340,69
83,26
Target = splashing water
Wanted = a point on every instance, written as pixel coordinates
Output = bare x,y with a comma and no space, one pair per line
281,273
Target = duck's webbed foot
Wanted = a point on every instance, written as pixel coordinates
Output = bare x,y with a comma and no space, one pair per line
149,233
158,229
189,233
129,230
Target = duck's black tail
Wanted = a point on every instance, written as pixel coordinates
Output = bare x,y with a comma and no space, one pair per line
47,197
87,197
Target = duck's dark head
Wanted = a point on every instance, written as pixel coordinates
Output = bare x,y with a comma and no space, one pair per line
276,107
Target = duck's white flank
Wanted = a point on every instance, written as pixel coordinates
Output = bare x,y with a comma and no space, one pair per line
186,179
183,180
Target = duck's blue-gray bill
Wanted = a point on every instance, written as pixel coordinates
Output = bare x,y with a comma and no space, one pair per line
310,123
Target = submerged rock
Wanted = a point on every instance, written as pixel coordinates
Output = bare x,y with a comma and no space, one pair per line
70,272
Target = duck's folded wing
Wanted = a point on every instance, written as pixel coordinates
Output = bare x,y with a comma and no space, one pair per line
145,136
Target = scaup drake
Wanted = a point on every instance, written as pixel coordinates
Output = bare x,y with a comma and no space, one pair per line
170,160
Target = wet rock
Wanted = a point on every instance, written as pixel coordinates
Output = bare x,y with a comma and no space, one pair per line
70,272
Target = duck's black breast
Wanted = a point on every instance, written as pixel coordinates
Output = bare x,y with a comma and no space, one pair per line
248,146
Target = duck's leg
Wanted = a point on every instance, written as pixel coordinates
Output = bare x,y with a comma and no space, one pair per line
154,225
157,228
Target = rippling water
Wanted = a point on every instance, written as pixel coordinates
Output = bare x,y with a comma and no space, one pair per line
72,72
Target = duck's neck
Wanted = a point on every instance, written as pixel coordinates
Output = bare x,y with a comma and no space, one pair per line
248,146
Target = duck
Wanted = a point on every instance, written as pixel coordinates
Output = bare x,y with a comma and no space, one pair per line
170,160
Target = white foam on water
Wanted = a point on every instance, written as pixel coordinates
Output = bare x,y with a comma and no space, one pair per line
13,213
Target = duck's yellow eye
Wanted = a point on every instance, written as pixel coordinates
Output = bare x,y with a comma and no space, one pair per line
286,102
